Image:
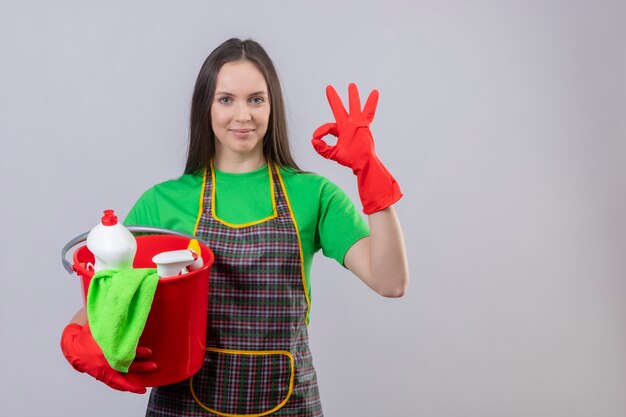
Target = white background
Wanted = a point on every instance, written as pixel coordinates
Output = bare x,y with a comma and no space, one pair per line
504,122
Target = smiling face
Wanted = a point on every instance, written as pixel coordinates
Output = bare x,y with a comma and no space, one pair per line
240,111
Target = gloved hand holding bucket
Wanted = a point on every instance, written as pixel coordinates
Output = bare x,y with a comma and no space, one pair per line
172,345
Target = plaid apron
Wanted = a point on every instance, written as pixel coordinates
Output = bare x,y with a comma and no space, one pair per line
258,360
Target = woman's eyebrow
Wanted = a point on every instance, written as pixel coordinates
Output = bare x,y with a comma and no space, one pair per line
256,93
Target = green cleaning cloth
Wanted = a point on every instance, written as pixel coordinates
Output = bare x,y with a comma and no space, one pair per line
118,303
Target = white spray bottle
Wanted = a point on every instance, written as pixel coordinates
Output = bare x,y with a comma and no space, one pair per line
111,243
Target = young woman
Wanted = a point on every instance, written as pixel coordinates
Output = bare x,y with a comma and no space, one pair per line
264,219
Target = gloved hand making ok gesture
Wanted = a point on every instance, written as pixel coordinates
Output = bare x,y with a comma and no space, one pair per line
355,149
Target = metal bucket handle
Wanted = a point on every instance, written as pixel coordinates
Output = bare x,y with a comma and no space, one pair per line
134,229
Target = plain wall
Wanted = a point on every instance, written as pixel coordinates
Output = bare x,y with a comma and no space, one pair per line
503,122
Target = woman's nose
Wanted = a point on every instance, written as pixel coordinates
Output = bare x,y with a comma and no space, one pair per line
242,113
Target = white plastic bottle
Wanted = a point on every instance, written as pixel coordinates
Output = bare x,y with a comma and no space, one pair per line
111,243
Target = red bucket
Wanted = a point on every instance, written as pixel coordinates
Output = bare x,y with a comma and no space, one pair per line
175,330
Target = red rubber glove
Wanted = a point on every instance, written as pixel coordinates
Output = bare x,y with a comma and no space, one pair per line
355,149
84,354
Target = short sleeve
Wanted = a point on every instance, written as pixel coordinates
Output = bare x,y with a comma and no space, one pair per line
340,225
172,205
144,211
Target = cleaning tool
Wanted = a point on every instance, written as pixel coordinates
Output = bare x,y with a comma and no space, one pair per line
175,330
84,354
355,149
118,303
112,245
195,247
171,263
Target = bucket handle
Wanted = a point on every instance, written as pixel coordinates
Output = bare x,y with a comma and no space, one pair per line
135,229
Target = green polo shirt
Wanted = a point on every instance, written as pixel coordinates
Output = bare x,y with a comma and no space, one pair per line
326,218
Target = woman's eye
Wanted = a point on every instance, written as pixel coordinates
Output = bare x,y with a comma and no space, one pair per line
257,100
224,100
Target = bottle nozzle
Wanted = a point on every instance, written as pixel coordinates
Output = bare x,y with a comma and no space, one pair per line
109,218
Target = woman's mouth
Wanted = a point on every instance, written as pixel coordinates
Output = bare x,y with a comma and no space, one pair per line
241,133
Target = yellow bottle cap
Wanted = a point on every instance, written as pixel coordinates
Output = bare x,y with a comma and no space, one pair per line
194,246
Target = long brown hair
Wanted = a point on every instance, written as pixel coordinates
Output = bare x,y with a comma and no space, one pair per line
201,137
